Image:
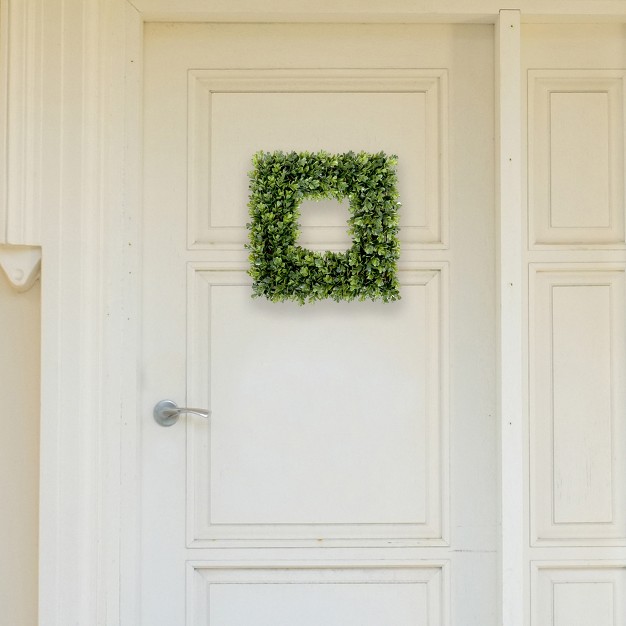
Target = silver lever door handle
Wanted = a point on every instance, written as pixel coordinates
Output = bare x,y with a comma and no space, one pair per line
167,412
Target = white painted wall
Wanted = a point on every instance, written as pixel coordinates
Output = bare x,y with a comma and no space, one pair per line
19,453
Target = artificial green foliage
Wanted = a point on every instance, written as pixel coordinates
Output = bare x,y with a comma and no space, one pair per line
282,269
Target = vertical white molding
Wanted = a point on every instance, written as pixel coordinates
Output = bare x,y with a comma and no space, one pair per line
70,299
21,102
124,448
21,68
88,304
510,286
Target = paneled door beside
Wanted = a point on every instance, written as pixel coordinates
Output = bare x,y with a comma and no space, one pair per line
575,261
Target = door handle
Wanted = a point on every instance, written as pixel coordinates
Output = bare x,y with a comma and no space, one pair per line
167,412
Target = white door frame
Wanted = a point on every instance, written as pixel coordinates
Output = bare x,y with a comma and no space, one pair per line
71,108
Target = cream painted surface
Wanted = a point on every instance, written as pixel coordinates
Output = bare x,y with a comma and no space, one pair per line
510,297
586,204
576,156
367,11
579,594
57,100
19,453
316,595
577,362
576,259
410,109
339,355
351,452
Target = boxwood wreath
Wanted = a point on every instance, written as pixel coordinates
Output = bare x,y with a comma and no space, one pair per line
283,270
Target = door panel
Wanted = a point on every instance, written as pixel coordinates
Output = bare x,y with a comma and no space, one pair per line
356,109
347,473
403,596
578,443
576,170
348,398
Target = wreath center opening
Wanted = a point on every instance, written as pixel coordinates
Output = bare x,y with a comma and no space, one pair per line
328,214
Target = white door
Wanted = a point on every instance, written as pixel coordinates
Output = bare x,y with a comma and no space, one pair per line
348,471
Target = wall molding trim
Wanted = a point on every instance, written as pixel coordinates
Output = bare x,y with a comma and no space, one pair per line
510,324
391,11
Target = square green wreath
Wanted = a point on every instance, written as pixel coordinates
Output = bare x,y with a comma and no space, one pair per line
283,270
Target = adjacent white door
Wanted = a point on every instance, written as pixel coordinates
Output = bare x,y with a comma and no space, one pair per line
575,95
348,472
